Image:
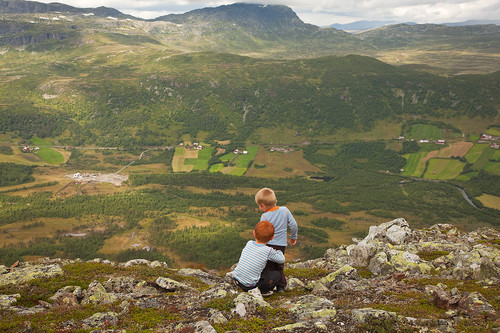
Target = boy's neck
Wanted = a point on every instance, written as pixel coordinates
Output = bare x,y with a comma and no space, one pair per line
261,243
271,208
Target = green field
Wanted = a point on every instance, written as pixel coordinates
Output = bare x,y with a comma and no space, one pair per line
442,168
243,160
422,131
50,155
414,166
216,167
483,161
201,163
475,152
39,142
493,131
493,164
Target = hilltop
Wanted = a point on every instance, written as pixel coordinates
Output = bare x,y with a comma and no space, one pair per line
437,279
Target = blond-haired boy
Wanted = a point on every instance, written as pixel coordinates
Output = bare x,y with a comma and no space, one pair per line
282,219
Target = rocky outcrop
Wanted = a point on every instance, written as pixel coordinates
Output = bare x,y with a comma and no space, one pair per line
396,278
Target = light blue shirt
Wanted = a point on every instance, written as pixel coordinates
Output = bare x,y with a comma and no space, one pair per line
282,219
252,261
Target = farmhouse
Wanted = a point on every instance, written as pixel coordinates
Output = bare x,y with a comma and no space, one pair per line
495,146
424,141
440,142
486,137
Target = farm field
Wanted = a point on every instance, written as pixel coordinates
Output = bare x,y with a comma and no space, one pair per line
423,131
493,131
415,164
475,152
50,155
440,168
278,164
489,160
238,163
178,161
201,160
29,230
454,149
490,201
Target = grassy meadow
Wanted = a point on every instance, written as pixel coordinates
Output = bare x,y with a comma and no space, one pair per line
440,168
423,131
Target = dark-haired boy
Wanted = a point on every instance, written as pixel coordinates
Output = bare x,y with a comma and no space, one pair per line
249,272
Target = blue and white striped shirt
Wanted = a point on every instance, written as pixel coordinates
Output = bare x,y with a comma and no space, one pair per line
252,261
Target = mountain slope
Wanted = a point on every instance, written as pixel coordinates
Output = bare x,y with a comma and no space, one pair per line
109,95
25,7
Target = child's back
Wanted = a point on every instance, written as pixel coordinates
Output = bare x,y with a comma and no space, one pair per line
282,219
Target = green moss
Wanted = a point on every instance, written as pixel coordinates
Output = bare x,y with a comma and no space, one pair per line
431,255
364,272
50,320
306,273
223,304
265,320
140,319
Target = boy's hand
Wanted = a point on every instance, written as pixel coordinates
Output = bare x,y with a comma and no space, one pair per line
293,242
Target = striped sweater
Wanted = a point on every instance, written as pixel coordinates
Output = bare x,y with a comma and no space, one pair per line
252,261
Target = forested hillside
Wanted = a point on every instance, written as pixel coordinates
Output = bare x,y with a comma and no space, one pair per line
125,138
127,102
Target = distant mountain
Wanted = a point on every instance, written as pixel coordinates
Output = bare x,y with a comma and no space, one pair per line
473,22
434,36
359,26
25,7
277,18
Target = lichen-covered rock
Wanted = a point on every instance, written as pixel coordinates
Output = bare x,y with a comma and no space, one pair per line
380,265
360,254
290,327
97,294
170,284
27,273
476,306
7,300
364,315
249,302
344,273
403,261
101,319
294,283
398,232
203,327
311,307
199,274
128,287
67,296
216,317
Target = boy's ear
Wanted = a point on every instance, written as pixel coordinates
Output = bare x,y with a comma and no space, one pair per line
272,237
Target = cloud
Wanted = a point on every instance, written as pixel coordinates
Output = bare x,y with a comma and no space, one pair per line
322,12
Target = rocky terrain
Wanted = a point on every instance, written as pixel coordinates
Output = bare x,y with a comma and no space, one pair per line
439,279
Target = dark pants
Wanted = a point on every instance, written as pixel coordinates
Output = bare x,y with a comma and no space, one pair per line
273,266
267,282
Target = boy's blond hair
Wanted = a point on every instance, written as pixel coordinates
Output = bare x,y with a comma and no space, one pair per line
266,197
264,231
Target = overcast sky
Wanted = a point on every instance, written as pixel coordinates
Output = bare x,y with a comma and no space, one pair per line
322,12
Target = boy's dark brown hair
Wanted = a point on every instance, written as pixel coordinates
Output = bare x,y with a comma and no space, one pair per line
266,197
264,231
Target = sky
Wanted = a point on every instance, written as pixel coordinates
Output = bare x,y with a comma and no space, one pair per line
322,12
